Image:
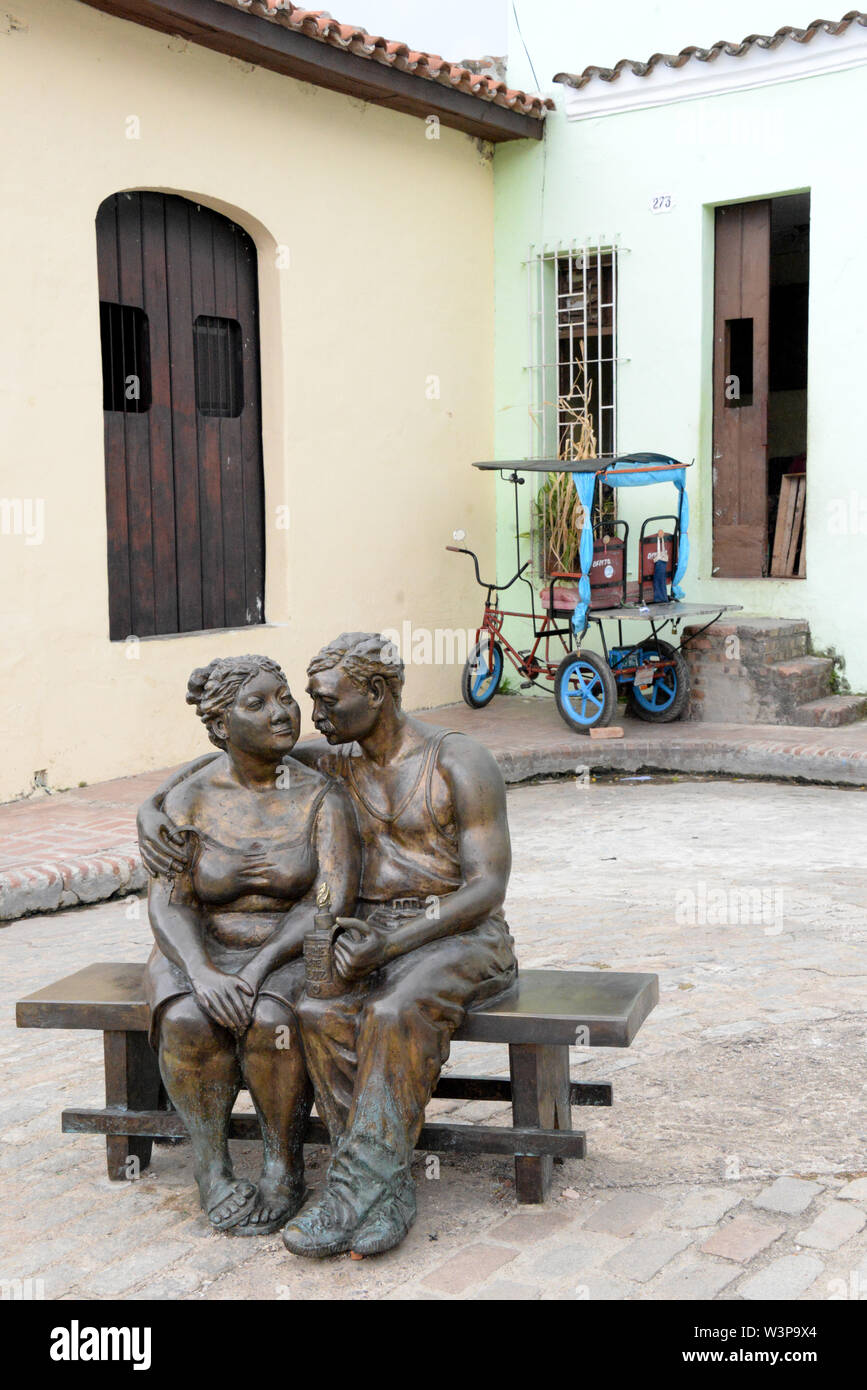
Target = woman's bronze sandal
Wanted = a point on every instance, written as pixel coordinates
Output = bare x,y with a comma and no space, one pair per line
246,1192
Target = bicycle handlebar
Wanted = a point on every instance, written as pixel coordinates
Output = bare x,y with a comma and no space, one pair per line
483,583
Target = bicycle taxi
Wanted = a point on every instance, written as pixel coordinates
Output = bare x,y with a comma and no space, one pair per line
651,672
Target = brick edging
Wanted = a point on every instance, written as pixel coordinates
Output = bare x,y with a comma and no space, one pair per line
52,884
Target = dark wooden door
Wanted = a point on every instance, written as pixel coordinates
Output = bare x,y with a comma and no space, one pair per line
740,389
179,318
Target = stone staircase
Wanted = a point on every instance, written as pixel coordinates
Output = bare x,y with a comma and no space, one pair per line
753,670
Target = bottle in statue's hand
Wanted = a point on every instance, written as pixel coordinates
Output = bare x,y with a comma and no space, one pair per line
323,981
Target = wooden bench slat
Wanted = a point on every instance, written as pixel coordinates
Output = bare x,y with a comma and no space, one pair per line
550,1006
162,1124
105,996
545,1006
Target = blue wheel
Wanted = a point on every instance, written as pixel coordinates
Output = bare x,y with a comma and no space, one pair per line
482,673
665,696
585,691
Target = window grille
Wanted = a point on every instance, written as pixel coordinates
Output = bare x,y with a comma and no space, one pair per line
219,370
126,375
572,372
573,351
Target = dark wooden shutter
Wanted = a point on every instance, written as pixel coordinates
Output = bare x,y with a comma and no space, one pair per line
183,457
740,425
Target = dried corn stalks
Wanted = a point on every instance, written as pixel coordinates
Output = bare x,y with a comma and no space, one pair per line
560,515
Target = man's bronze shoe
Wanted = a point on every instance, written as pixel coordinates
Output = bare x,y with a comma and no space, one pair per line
387,1222
325,1228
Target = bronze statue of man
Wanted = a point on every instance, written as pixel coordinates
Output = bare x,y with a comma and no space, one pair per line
429,938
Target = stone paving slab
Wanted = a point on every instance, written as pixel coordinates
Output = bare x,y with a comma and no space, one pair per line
791,1196
700,1128
700,1279
833,1225
785,1278
79,845
705,1208
624,1214
741,1239
646,1256
855,1191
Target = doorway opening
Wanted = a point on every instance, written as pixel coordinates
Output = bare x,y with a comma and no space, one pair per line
185,497
761,293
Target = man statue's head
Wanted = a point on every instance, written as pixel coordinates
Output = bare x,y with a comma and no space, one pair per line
352,682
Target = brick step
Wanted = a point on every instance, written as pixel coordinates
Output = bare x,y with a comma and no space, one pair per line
763,667
758,626
784,647
804,679
766,627
763,641
830,712
774,639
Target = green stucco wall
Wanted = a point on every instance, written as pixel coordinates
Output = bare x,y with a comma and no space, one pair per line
595,178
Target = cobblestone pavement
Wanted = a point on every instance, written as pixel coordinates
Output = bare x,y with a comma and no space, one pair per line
733,1164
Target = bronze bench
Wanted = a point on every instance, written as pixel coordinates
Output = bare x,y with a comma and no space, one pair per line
545,1013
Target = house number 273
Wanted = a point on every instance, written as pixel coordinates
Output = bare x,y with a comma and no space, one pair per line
662,202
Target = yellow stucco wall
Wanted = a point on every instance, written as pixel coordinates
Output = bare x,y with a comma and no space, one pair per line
390,282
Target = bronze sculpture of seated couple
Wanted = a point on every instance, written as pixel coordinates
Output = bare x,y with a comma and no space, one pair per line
384,846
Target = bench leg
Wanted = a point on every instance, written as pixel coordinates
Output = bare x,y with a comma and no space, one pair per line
132,1082
540,1099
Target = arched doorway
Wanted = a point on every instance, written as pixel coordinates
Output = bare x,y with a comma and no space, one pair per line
179,321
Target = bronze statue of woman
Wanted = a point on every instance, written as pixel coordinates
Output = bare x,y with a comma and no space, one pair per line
265,833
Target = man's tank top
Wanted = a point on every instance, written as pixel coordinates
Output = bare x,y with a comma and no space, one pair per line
407,853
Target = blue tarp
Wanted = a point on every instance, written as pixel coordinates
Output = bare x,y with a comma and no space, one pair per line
585,484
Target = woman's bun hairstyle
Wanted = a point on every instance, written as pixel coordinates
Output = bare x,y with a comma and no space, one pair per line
213,689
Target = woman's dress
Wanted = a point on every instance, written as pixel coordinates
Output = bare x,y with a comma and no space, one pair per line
233,935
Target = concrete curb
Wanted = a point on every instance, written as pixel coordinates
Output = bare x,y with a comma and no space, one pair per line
52,884
764,759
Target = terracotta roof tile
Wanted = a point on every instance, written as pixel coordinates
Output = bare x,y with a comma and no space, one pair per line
707,55
318,24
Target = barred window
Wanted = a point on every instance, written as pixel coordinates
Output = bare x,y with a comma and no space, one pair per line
573,352
219,370
126,375
572,374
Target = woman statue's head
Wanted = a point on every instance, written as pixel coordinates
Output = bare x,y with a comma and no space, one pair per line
245,702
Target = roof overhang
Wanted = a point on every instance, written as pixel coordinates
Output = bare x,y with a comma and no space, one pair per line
252,39
759,60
